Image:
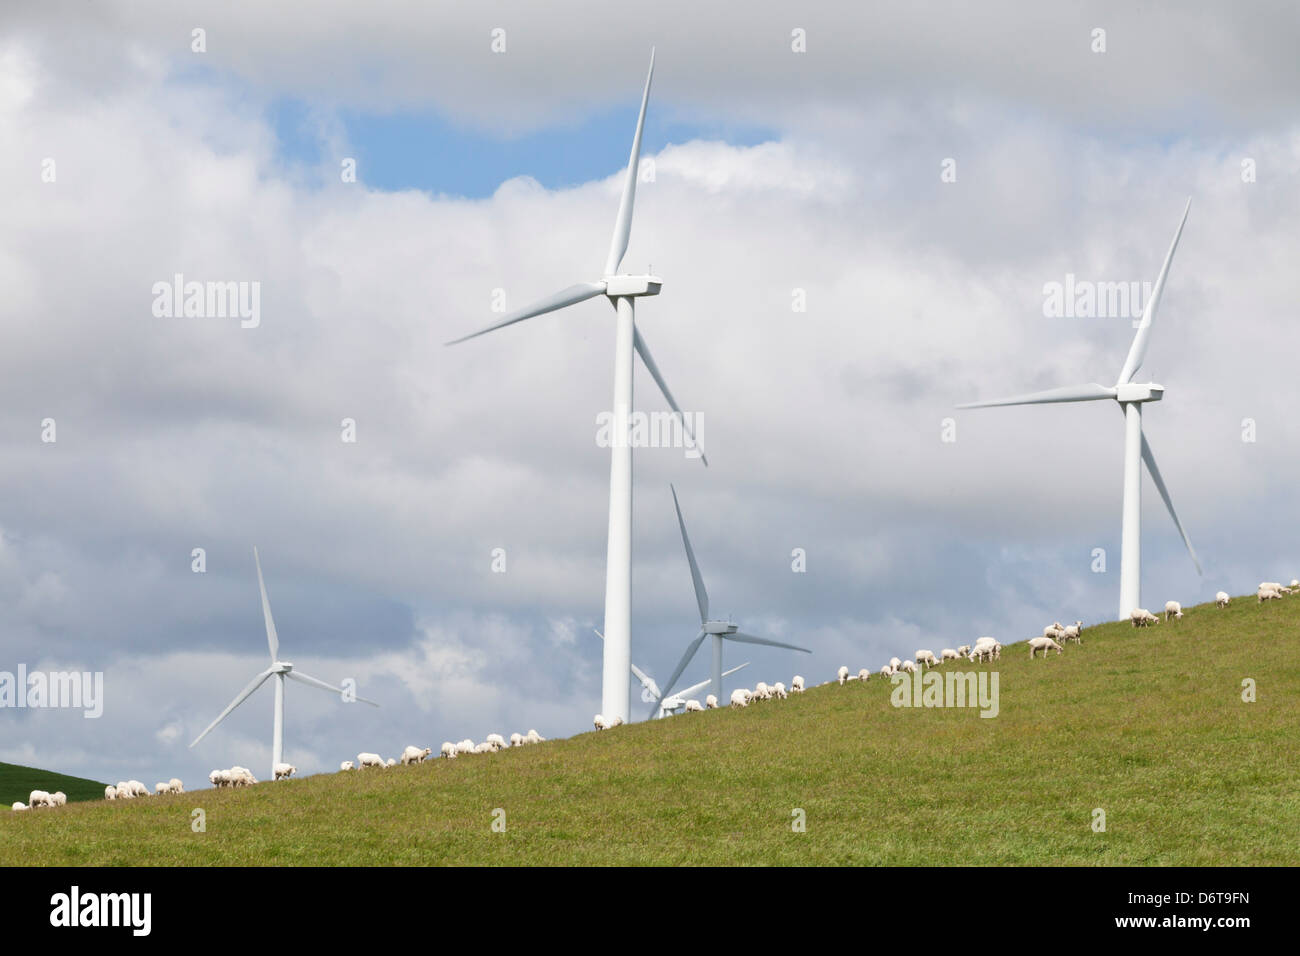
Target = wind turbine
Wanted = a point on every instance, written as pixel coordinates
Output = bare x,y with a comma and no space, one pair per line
719,630
279,670
671,703
622,291
1131,397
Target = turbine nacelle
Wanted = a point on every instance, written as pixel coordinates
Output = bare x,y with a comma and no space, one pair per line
1149,392
720,627
281,667
617,287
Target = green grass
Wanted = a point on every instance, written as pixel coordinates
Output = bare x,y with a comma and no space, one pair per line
1148,725
17,783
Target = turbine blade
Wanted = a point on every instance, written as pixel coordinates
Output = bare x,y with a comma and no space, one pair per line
644,351
647,681
696,688
565,297
1138,350
312,681
253,685
751,639
272,639
701,595
1069,393
623,224
691,648
1150,460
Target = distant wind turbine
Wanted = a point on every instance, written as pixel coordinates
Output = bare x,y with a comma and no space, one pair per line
279,670
677,700
622,291
719,630
1131,397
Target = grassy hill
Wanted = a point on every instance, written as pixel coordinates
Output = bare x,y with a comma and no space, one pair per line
17,783
1149,726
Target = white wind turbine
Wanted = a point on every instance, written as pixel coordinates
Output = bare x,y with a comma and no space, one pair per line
622,291
279,670
675,701
719,630
1131,396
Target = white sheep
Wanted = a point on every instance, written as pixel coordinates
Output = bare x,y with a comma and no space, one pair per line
346,765
19,805
110,792
1141,617
926,658
616,721
1043,644
963,651
58,799
1273,586
533,737
600,722
780,693
1074,632
496,740
740,697
39,798
1268,594
842,674
517,740
137,788
761,691
948,654
161,788
283,771
887,671
415,755
907,666
390,762
1054,630
711,702
176,786
1173,609
365,760
693,706
895,664
864,675
1221,599
796,684
448,750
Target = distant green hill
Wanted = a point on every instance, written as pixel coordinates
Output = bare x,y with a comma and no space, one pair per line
1148,726
17,783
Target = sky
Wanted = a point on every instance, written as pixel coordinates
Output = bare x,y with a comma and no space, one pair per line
831,291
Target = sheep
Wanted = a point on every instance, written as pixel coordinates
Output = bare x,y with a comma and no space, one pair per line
694,705
1221,599
986,649
780,693
1273,586
1074,632
1268,594
599,721
963,651
176,785
58,799
615,721
365,760
39,798
1043,644
711,702
1141,617
895,664
110,792
740,697
283,771
907,666
762,691
842,674
346,765
496,741
796,684
886,671
948,654
19,805
241,777
483,748
864,675
161,788
417,754
448,750
1175,609
533,737
1054,631
137,788
390,762
926,659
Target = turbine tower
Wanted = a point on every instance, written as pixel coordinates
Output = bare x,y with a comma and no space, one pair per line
279,670
671,703
719,630
1131,397
622,291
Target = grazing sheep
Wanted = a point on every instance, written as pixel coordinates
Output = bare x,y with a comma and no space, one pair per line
137,788
963,651
39,798
895,664
466,746
694,705
415,755
1141,617
864,675
740,697
496,740
161,788
1221,599
1272,586
1043,644
796,684
1175,609
842,674
1074,633
599,721
986,649
762,691
58,799
533,737
926,658
1268,594
19,805
283,771
365,760
176,785
390,762
1055,631
448,750
346,765
616,721
886,671
948,654
483,748
711,702
779,691
907,666
110,792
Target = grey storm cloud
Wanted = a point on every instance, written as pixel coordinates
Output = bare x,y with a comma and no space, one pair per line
822,426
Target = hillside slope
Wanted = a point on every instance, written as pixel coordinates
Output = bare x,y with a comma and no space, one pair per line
1149,726
17,783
